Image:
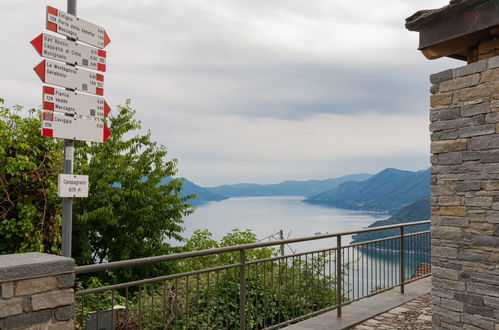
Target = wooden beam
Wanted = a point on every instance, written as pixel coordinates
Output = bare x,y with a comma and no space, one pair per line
457,46
460,24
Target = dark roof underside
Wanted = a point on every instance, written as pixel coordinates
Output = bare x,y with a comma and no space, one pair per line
427,17
456,29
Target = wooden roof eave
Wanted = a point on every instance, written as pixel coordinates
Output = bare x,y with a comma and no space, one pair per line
453,35
457,48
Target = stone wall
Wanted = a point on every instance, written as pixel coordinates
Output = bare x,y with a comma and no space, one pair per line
464,129
486,49
36,291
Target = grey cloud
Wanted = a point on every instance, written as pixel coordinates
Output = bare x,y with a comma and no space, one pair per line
197,63
294,91
203,58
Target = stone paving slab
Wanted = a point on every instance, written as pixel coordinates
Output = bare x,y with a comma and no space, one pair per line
414,315
368,308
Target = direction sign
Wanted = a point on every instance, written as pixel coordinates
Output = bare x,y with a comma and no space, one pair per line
56,73
62,100
70,52
76,28
73,128
70,185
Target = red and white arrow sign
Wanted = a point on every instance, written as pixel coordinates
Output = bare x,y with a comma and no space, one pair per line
61,100
73,128
56,73
76,28
70,52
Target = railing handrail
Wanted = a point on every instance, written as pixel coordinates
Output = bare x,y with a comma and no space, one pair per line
235,265
184,255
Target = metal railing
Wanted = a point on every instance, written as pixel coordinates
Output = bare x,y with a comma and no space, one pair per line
252,286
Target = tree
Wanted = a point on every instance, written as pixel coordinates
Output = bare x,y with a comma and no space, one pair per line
129,212
29,163
276,289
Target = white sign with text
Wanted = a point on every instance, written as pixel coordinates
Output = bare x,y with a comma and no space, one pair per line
71,185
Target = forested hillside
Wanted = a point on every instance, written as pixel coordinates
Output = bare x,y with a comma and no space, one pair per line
417,211
202,195
387,191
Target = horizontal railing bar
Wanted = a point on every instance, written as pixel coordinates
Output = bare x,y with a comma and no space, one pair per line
150,260
373,241
331,249
302,317
387,238
207,270
381,290
197,272
374,293
155,279
289,256
418,233
387,288
417,278
184,255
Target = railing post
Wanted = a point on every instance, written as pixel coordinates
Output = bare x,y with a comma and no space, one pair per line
402,260
338,276
242,290
281,236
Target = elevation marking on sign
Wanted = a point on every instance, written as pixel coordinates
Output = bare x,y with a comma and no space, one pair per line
70,52
71,185
76,28
56,73
73,128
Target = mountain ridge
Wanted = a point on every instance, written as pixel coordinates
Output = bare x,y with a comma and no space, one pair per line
386,191
285,188
203,195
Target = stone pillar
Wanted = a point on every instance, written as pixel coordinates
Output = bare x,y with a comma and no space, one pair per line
464,129
36,291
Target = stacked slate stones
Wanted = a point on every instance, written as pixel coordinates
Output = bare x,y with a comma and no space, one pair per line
464,129
36,291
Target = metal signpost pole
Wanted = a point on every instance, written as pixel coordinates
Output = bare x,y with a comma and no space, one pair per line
72,7
67,202
76,112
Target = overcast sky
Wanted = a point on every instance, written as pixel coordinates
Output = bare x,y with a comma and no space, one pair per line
254,90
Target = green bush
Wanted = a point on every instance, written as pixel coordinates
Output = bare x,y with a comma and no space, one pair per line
276,291
30,210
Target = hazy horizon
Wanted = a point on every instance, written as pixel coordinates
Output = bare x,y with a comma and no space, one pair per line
305,179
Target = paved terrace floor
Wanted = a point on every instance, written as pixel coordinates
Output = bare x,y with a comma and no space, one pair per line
387,310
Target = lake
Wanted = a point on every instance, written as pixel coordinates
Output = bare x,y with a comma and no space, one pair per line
267,215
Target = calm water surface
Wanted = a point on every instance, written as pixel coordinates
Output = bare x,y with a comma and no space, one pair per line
267,215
